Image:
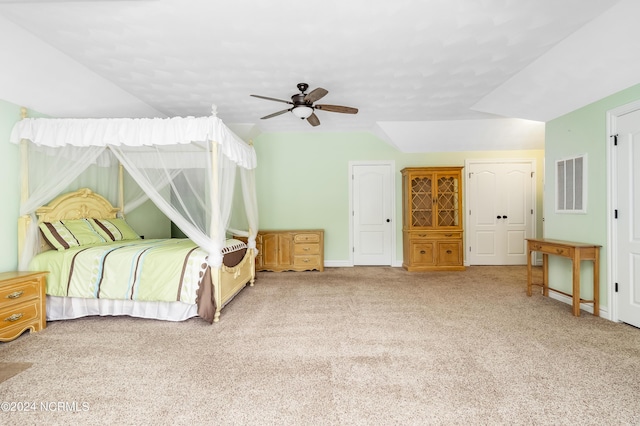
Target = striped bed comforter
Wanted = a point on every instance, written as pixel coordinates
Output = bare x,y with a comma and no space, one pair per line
161,270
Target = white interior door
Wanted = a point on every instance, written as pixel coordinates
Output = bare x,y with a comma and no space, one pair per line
500,212
628,222
372,214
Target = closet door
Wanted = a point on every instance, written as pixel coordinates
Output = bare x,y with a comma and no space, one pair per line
500,213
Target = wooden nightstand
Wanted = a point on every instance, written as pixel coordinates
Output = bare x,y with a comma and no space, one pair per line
22,303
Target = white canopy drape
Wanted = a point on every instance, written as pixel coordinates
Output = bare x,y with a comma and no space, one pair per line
186,166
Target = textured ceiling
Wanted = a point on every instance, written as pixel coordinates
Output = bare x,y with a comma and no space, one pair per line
400,61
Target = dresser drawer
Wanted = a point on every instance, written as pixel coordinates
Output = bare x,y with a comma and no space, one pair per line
306,249
19,292
307,262
435,235
17,315
307,238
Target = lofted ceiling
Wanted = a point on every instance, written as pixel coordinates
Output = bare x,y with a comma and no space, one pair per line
484,74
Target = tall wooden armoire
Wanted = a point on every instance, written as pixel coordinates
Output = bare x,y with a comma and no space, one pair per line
432,219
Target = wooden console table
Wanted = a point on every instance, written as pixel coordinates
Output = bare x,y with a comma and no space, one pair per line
574,251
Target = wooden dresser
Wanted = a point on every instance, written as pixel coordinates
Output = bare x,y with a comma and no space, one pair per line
290,250
22,303
432,219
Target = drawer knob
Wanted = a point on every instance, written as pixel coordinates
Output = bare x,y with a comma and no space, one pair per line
422,252
306,249
15,294
448,235
448,251
14,317
306,260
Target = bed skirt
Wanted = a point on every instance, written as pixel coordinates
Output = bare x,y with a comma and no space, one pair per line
63,308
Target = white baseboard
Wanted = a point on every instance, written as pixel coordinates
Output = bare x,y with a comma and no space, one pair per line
604,313
337,264
348,264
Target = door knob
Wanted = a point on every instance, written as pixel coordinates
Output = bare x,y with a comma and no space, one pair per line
388,220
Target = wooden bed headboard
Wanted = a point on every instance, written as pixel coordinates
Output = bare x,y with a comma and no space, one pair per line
80,204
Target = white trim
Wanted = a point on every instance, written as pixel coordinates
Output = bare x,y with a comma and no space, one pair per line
338,264
392,196
612,202
604,313
534,193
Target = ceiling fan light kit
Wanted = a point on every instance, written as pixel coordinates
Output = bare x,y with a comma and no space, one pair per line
303,106
302,111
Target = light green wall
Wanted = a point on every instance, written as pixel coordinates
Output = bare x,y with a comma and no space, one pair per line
579,132
303,181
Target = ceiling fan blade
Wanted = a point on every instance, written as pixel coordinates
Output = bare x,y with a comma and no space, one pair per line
272,99
313,120
275,114
315,95
337,108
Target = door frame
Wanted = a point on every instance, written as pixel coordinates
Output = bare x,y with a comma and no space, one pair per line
612,202
392,196
467,163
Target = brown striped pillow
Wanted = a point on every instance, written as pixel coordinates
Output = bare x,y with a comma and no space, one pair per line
64,234
114,229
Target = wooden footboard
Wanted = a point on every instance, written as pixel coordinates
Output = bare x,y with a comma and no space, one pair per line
227,282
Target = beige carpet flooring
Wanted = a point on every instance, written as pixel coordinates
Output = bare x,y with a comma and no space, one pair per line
348,346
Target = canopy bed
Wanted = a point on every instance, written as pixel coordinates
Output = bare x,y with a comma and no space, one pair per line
187,166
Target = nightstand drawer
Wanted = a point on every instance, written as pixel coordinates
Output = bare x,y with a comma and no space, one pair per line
22,303
19,292
17,315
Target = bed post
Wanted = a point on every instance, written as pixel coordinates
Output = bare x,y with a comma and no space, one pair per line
25,220
216,279
121,189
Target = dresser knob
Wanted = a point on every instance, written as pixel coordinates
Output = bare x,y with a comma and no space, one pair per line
449,252
15,294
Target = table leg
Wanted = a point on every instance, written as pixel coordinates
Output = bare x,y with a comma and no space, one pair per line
596,283
529,273
576,283
545,274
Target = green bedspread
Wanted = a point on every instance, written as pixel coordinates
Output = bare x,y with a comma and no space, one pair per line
166,270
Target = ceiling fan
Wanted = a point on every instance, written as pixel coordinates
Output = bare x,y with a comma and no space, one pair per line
303,104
